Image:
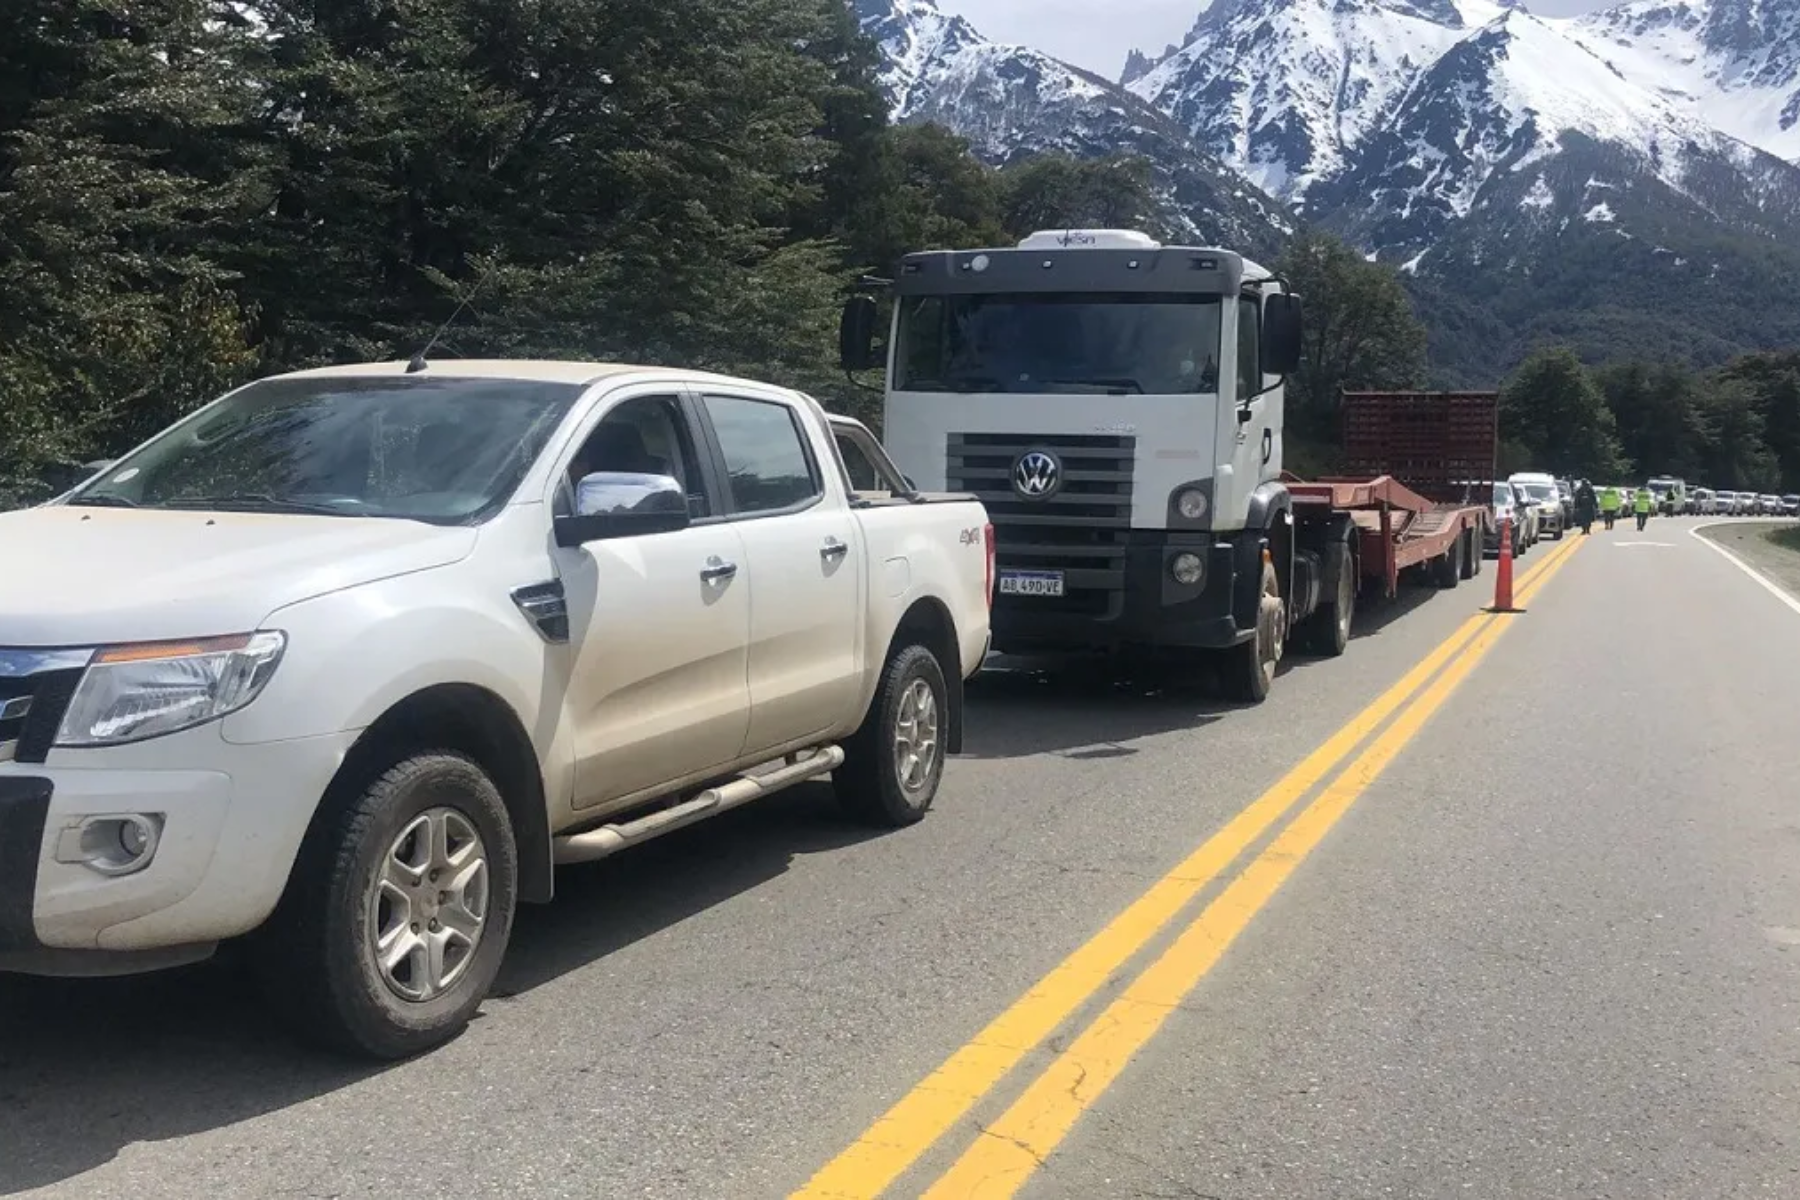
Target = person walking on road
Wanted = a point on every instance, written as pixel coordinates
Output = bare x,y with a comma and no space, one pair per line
1585,504
1644,501
1610,500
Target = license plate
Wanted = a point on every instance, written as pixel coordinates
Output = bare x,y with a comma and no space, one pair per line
1031,583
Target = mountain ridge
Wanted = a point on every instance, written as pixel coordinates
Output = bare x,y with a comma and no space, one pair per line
1477,147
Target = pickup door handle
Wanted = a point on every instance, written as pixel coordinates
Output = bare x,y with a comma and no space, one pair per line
833,549
717,570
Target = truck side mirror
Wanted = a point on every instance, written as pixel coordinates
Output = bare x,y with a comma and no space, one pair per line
616,504
1281,334
856,335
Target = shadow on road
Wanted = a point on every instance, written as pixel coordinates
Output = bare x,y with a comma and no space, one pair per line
89,1067
1081,710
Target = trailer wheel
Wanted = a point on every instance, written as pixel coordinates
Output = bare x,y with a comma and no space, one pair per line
1250,668
1471,565
1327,632
1448,568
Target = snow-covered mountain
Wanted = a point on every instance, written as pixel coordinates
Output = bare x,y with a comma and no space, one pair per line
1625,175
1011,102
1734,64
1431,96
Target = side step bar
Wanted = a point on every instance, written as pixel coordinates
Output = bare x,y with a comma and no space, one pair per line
610,839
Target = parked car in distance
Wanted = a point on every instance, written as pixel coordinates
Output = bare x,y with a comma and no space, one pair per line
1790,505
1565,491
1508,502
1540,492
1701,501
400,638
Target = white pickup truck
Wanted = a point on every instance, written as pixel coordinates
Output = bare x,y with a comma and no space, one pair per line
349,659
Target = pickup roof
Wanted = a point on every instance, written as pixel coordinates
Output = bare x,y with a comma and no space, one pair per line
350,658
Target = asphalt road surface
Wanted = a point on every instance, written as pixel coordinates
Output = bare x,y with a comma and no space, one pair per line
1521,921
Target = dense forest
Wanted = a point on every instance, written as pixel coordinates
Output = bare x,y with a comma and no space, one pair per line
195,192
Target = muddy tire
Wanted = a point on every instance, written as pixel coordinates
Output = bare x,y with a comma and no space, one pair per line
894,763
399,912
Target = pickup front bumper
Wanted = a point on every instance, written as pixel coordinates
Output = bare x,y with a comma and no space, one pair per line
226,822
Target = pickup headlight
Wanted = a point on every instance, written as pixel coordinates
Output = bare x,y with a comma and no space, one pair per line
131,693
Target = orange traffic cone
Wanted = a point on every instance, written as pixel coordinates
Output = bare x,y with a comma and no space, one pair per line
1503,597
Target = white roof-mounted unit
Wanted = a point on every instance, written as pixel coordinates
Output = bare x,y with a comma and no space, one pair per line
1090,239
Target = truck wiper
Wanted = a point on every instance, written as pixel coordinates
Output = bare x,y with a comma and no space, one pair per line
1120,384
254,502
103,500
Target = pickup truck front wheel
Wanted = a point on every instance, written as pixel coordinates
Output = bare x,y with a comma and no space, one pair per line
399,912
892,765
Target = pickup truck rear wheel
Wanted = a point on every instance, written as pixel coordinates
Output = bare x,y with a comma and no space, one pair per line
892,765
399,912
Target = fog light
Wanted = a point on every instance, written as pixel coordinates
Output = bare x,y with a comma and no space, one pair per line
1187,569
1191,504
111,845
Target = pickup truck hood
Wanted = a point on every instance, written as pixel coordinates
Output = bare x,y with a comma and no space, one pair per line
90,576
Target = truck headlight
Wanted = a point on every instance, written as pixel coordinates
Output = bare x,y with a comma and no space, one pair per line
140,691
1191,504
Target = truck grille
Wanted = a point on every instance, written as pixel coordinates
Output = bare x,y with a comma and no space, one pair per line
1081,529
32,708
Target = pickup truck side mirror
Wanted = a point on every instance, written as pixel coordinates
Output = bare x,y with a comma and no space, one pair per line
616,504
856,335
1281,334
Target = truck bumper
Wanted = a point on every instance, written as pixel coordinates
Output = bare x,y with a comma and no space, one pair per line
1144,608
228,821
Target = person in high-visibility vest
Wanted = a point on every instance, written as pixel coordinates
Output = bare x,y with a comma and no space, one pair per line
1644,500
1610,500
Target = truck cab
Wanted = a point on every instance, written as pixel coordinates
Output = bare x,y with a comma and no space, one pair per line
1117,405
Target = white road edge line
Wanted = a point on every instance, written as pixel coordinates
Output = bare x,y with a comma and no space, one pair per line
1768,585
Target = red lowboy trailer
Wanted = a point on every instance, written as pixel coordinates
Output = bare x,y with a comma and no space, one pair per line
1418,475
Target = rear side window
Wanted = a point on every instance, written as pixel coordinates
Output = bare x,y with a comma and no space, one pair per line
766,461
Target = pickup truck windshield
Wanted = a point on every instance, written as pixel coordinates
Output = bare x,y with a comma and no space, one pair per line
1539,491
446,451
1096,343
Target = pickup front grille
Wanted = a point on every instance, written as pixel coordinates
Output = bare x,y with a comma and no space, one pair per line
1080,530
32,705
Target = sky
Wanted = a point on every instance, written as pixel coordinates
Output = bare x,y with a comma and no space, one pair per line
1097,34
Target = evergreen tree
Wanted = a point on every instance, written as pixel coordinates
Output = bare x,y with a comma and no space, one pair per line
1772,383
1360,332
1659,415
1553,417
1054,191
1736,455
126,164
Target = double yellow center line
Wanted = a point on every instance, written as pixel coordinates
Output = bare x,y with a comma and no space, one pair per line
1006,1153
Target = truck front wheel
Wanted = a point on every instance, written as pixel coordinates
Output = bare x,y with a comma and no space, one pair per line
1250,668
399,912
894,762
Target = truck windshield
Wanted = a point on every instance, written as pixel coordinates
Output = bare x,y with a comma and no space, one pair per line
1095,343
446,451
1539,491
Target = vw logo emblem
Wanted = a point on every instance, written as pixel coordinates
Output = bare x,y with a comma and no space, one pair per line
1037,475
